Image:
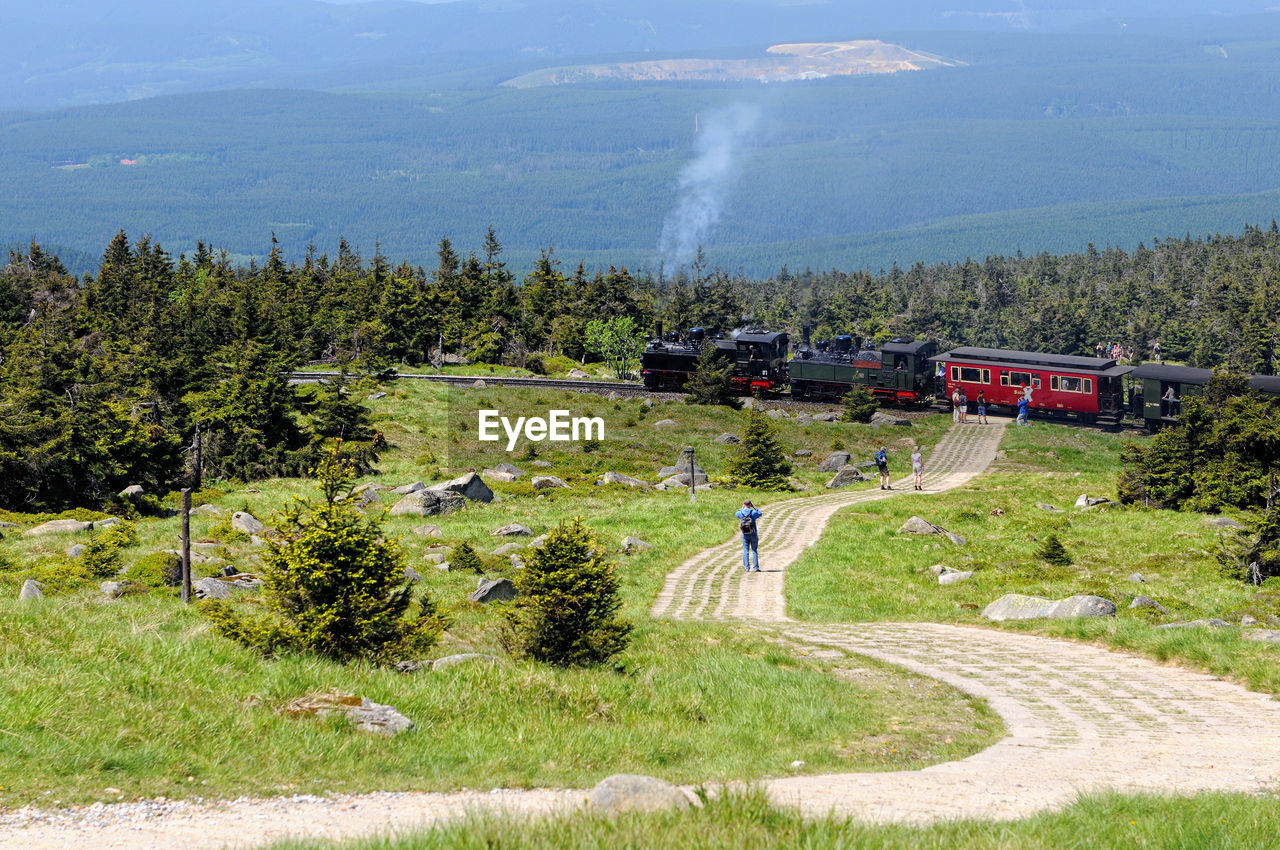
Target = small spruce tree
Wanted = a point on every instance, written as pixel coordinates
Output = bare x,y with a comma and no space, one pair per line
759,460
464,557
565,613
1052,551
859,405
712,380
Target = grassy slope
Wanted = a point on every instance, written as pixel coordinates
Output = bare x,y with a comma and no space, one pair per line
141,697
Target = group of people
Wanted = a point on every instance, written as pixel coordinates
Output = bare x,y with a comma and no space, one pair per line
960,406
748,514
1116,351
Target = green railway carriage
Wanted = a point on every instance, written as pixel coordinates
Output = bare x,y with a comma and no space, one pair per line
1159,388
898,373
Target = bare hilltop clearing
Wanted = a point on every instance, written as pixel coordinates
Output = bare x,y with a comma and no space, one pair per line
785,62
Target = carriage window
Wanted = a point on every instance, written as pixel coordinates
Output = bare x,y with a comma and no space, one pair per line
968,373
1068,384
1088,385
1004,379
955,373
1053,382
1019,379
986,376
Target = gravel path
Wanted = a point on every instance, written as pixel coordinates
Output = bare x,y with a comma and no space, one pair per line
1078,718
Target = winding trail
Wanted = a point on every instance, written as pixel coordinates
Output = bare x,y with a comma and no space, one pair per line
1078,718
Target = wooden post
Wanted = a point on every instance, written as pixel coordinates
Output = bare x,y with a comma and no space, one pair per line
693,479
186,545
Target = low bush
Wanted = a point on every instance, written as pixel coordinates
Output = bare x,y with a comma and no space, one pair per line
157,570
859,405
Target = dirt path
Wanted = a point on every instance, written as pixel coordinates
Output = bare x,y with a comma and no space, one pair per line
1078,718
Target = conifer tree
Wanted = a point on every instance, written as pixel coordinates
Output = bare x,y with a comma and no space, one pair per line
859,405
712,380
760,461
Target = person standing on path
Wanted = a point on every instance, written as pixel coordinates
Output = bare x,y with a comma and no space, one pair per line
917,467
747,516
955,405
964,406
1024,408
982,407
882,463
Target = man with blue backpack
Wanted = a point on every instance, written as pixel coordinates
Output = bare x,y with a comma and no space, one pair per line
747,516
882,464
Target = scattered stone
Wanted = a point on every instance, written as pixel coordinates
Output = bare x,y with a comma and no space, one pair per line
517,563
376,396
539,540
133,491
428,531
826,417
1248,620
777,413
469,486
646,403
918,525
479,384
542,464
443,566
803,419
834,462
1050,508
1137,578
578,374
665,423
1015,606
112,589
428,503
1210,623
619,478
435,557
58,526
243,581
951,576
367,497
408,667
228,571
546,482
75,551
629,792
513,529
681,479
247,523
498,475
463,658
1147,602
495,590
996,512
612,396
939,569
881,418
1223,522
1082,501
846,476
211,588
804,453
212,510
507,549
106,523
365,715
1262,635
634,544
31,590
510,469
750,404
412,575
727,439
406,489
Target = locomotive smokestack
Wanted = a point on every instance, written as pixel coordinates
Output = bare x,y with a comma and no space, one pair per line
804,335
657,329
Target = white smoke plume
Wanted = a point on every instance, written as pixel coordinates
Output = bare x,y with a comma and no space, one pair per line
705,182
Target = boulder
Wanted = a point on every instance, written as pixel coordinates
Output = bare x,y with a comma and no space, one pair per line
803,419
1137,578
479,384
517,563
30,590
881,418
212,510
469,486
406,489
58,526
408,667
377,395
646,403
495,590
727,439
133,491
513,529
1211,623
846,476
619,478
539,540
777,413
1262,635
826,417
211,588
750,404
507,549
804,453
542,464
950,576
498,475
75,551
665,423
834,462
1050,508
247,523
443,566
681,479
1147,602
112,589
427,503
918,525
546,482
1015,606
1082,501
243,581
364,714
463,658
628,792
634,544
578,374
428,531
368,496
435,557
412,575
1248,620
510,469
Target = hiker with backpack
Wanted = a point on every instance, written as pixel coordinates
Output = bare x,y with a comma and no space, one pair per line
882,464
747,516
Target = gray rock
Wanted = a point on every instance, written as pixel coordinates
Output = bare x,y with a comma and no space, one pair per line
427,503
952,536
58,526
367,497
646,403
75,551
435,557
613,396
428,531
619,478
1248,620
211,588
578,374
727,439
681,479
443,566
1262,635
834,462
1210,623
463,658
496,590
954,576
1050,508
803,419
918,525
510,469
634,544
479,384
881,418
777,413
507,549
469,486
542,464
1136,578
112,589
1082,501
406,489
30,590
1224,522
546,482
826,417
846,476
539,540
376,396
1148,602
627,792
133,491
247,523
665,423
498,475
517,563
804,453
1015,606
106,523
750,404
412,575
409,667
212,510
513,529
379,719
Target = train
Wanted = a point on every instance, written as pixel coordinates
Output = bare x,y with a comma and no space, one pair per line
1091,390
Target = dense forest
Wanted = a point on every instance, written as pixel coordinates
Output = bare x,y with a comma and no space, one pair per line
105,379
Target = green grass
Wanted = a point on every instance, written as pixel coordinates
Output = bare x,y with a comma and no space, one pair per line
862,569
747,821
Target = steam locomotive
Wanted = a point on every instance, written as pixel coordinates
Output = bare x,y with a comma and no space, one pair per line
759,360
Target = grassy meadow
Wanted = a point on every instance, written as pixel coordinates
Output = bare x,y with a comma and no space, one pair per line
137,697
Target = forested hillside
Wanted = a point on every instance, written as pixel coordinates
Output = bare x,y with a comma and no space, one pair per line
104,381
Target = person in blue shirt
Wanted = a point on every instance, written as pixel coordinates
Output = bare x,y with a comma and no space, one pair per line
747,516
1024,406
882,463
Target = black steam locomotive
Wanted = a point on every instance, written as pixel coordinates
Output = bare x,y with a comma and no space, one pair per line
759,359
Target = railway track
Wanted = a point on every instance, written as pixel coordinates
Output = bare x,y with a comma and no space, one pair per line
597,387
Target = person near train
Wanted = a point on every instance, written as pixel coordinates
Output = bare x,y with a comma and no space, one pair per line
964,406
982,407
917,467
882,464
747,516
1024,409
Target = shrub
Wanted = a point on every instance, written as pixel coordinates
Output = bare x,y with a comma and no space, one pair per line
535,365
102,555
464,557
565,613
837,445
712,380
1052,551
759,460
859,405
1253,554
159,569
333,585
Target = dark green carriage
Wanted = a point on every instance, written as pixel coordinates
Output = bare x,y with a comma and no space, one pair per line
898,373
